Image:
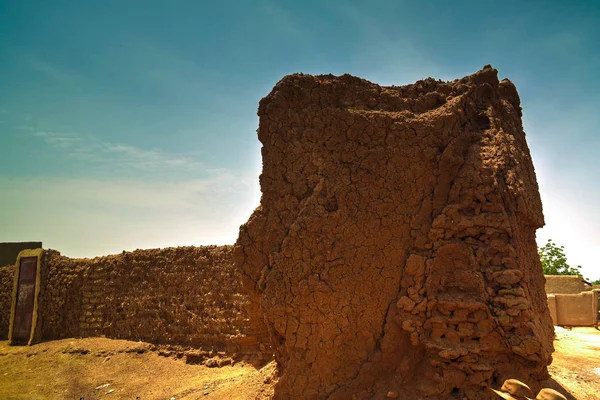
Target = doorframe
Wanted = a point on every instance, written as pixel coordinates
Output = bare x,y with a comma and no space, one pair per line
34,318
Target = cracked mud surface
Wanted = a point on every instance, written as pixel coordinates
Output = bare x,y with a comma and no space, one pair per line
394,247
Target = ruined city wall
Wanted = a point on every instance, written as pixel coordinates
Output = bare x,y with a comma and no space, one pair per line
6,288
186,295
394,247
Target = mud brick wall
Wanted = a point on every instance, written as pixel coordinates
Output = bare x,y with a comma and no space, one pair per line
565,284
579,309
59,302
185,295
394,247
6,287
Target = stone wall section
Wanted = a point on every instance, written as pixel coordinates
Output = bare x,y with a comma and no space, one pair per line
60,299
6,288
93,306
187,295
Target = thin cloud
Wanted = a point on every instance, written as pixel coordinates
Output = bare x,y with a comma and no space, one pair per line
119,157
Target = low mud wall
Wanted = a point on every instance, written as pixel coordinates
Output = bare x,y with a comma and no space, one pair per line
565,284
6,287
574,309
186,295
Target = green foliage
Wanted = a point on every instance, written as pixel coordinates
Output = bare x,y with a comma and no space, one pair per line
554,260
596,282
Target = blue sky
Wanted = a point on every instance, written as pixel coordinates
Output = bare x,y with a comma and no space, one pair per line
131,124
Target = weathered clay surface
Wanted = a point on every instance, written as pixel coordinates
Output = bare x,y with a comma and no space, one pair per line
394,247
6,288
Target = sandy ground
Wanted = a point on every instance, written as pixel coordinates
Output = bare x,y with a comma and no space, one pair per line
97,368
576,366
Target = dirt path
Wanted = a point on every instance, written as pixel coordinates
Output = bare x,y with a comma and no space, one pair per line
576,365
97,368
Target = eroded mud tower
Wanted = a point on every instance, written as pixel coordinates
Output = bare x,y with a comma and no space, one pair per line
394,247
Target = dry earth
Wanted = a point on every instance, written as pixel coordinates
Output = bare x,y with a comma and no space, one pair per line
98,368
576,364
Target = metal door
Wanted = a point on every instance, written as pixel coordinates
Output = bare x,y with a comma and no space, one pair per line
25,300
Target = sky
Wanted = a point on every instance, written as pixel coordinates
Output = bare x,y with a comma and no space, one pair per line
132,123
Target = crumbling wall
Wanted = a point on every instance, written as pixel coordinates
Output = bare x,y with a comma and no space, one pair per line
394,247
6,288
186,295
565,284
59,302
